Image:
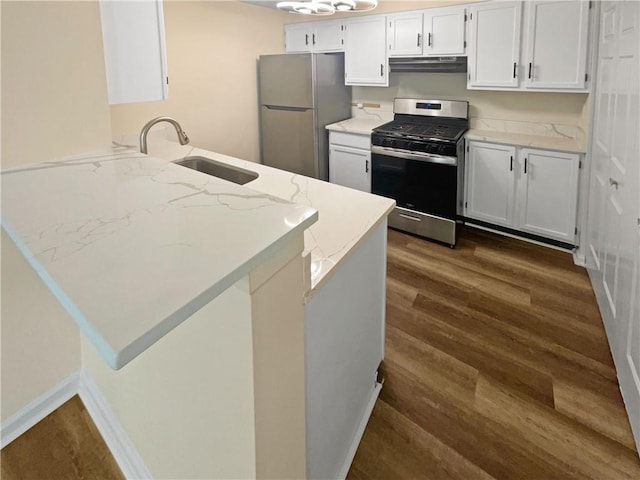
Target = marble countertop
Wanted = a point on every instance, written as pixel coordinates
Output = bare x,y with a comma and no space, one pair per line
362,126
560,143
346,216
133,245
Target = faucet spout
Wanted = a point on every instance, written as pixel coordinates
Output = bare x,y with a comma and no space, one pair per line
182,136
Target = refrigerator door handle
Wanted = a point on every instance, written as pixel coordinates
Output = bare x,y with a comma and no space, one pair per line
292,109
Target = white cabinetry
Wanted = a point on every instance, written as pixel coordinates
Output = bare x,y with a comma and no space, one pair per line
134,51
297,37
548,193
556,44
404,34
366,51
526,189
494,44
550,55
444,31
490,182
321,37
350,160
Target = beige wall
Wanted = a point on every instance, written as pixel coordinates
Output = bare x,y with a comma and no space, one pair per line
212,52
54,104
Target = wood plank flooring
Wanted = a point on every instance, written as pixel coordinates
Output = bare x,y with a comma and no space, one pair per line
497,367
65,445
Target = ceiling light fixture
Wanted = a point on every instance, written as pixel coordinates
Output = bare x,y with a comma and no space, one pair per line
327,7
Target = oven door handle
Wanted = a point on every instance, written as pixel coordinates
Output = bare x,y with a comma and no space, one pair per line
420,156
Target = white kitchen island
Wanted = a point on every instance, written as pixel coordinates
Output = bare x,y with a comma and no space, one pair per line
134,247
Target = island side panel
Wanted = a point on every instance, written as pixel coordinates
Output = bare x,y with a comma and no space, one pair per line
344,337
279,364
187,403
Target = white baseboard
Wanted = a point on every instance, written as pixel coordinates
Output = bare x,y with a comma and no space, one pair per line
116,438
579,258
82,384
359,433
28,416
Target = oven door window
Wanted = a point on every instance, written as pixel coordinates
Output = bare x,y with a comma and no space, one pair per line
415,184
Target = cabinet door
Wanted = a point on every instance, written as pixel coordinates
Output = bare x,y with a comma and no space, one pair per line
404,34
548,193
134,51
365,56
494,45
490,182
556,44
298,37
327,36
350,167
444,31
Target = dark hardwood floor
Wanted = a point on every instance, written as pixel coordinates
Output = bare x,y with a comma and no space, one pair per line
497,366
65,445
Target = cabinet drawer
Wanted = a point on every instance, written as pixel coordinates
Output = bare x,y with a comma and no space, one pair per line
353,140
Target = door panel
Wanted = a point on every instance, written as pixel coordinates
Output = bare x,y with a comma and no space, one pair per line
286,80
350,167
288,140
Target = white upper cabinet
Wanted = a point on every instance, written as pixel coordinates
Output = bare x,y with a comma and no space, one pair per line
556,44
324,36
298,37
444,31
327,36
549,187
134,51
365,51
494,45
404,34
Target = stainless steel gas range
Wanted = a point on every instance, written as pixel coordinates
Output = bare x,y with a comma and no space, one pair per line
417,159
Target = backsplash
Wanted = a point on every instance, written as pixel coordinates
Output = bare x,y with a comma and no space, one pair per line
529,113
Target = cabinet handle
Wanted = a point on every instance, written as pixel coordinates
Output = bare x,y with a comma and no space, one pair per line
313,38
418,40
530,67
613,183
381,70
429,40
366,166
514,69
525,165
511,164
306,39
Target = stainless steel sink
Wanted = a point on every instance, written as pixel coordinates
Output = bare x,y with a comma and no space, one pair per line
217,169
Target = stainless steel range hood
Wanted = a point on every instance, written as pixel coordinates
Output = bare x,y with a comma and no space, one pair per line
428,64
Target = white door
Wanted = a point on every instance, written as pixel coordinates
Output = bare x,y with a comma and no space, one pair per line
548,193
365,57
616,148
327,36
350,167
494,45
134,51
444,31
556,48
404,34
490,182
297,37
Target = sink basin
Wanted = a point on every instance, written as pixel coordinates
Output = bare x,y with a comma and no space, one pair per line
218,169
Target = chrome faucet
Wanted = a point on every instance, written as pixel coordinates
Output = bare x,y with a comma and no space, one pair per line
182,137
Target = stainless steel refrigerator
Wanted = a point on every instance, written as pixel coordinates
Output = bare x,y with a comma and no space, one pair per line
299,95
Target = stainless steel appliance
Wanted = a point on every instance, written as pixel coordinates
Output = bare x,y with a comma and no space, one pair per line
417,159
299,95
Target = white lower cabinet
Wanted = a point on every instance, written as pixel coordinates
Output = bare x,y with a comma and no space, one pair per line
350,160
531,190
